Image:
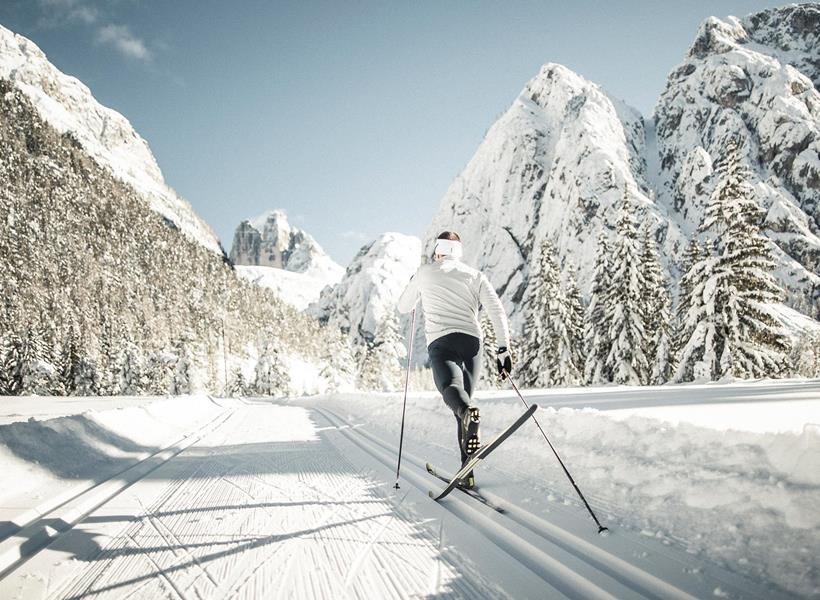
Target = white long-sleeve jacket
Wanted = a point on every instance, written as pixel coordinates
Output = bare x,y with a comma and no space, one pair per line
451,294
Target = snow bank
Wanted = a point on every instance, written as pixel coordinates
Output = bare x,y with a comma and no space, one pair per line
747,499
43,458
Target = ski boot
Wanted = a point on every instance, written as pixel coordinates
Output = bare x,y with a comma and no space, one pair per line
468,481
469,429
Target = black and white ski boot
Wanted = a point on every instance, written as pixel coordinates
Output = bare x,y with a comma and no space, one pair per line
469,427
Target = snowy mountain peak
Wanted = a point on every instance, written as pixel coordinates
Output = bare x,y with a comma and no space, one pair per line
792,34
269,240
553,167
371,286
68,105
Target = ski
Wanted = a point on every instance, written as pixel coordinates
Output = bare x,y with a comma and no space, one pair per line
472,492
483,452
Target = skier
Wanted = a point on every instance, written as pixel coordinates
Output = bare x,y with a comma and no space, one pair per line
451,294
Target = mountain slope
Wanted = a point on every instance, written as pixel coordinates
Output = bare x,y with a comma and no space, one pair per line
104,134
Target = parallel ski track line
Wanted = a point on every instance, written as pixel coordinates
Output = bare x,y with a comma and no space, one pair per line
631,576
176,547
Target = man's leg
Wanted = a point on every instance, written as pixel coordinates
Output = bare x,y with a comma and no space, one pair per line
470,373
448,377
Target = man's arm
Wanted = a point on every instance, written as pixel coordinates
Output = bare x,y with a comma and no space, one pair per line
410,296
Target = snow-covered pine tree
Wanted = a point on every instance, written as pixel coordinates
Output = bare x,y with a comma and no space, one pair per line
38,374
68,361
744,339
381,368
11,376
539,344
86,380
489,369
184,368
694,253
626,360
656,305
237,384
576,323
270,377
159,372
338,364
596,327
106,359
698,328
131,372
805,355
547,356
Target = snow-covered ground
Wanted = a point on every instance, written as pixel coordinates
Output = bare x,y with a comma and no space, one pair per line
709,491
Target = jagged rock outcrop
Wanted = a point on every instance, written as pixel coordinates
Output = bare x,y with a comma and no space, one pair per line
755,80
271,241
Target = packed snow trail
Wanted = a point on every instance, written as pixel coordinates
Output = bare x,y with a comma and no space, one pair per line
289,501
266,506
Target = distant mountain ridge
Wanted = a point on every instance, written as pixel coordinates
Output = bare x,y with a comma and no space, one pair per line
269,240
370,287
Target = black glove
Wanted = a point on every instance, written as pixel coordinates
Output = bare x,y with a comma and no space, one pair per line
503,359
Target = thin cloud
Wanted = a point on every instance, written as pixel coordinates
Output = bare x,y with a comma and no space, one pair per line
57,13
120,38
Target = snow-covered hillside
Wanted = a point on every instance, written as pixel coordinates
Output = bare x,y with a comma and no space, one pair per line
370,287
68,105
269,240
751,80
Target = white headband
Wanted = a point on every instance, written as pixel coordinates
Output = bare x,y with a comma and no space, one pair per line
448,248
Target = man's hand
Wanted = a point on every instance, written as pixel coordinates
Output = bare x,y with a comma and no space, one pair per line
503,359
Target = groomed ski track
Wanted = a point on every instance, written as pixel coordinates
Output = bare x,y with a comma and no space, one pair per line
286,501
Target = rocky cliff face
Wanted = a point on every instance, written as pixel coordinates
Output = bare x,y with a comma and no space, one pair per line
104,134
753,80
270,241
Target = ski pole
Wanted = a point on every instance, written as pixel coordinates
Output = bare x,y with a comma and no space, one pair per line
406,385
601,528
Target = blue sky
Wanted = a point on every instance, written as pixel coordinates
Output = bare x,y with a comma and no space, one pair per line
352,116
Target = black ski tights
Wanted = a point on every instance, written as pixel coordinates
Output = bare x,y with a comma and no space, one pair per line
456,359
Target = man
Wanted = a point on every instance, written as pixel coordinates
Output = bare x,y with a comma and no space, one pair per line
451,294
